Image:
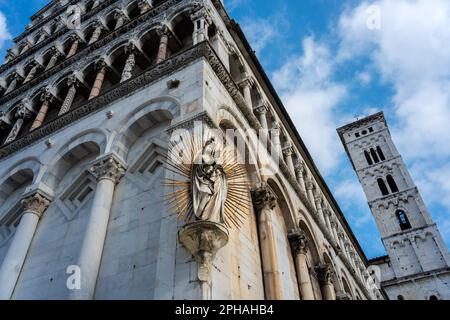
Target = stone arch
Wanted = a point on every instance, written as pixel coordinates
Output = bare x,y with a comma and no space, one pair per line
284,203
88,143
346,286
24,172
335,278
226,118
141,119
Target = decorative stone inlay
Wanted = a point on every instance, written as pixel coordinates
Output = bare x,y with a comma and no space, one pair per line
36,204
324,273
264,197
203,239
299,242
108,168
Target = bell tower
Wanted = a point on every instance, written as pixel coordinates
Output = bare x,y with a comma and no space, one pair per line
409,234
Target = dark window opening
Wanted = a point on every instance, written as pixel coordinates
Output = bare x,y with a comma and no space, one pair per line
384,190
403,220
400,297
357,135
369,160
370,129
381,154
392,184
374,156
434,298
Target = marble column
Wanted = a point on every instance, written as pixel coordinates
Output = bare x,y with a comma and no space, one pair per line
201,20
327,216
299,245
334,227
100,78
310,194
46,99
95,4
74,46
108,172
275,134
42,37
299,173
318,201
96,34
120,18
33,208
21,115
288,152
54,59
129,64
265,201
145,5
25,49
32,73
13,84
72,84
246,86
325,275
163,42
262,111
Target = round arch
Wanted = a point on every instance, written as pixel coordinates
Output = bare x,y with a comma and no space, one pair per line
141,119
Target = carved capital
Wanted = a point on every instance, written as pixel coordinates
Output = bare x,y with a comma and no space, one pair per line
22,111
101,65
299,167
264,197
36,204
46,95
203,13
72,80
163,30
248,82
119,14
324,273
288,149
309,185
262,109
108,168
299,242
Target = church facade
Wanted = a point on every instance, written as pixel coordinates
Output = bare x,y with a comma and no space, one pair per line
88,107
417,266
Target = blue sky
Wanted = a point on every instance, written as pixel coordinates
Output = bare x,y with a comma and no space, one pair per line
329,66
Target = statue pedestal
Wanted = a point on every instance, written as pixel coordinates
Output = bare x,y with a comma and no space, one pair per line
203,239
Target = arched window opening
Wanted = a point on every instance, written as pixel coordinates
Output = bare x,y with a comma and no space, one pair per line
400,297
368,158
381,154
403,220
392,184
374,156
384,190
434,298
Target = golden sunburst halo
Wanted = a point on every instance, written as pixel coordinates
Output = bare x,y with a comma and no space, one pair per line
179,165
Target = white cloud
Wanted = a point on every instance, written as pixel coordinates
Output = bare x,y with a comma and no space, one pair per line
411,52
310,96
4,33
259,32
